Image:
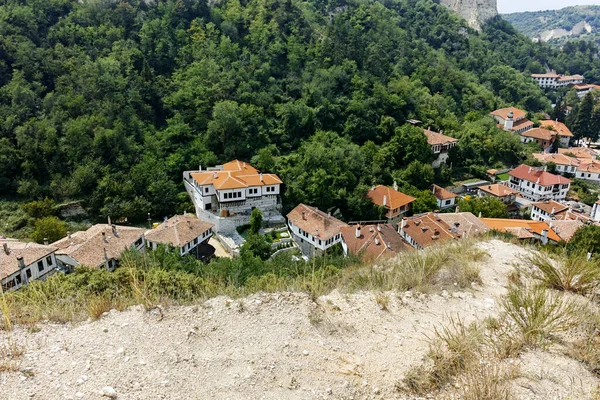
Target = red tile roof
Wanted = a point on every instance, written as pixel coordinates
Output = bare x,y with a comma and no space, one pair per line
559,127
437,138
498,190
539,133
428,229
315,222
556,158
580,152
442,194
503,113
393,198
550,206
235,175
374,241
522,228
536,175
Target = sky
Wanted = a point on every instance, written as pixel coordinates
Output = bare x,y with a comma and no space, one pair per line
508,6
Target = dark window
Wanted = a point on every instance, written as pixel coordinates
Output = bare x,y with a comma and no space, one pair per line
48,261
205,190
40,265
28,273
18,279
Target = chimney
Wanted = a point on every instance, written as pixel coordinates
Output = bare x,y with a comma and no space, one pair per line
395,185
545,168
21,262
433,190
104,237
215,175
378,228
530,169
69,234
45,241
544,236
109,223
200,167
244,164
357,232
114,230
402,224
261,177
304,215
479,214
553,211
376,242
384,200
5,246
316,232
105,259
508,122
457,209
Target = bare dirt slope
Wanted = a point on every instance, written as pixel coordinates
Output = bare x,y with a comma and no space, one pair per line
272,346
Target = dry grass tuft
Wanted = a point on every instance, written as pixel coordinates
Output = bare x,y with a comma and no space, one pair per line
383,301
10,356
485,382
565,272
535,314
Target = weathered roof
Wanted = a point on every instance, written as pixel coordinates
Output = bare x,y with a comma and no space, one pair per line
580,152
503,112
314,221
534,175
31,252
570,77
428,229
590,166
87,247
566,229
442,194
393,198
464,223
437,138
522,228
498,190
545,75
539,133
556,158
374,241
520,124
550,206
178,230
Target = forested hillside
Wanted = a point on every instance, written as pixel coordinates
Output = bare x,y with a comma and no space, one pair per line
559,26
108,102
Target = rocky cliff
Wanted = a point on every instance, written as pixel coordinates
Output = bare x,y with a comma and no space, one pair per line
476,12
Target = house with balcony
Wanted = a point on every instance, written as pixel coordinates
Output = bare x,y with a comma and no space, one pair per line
564,164
186,234
537,184
547,210
21,263
100,246
313,230
225,195
395,203
440,146
512,119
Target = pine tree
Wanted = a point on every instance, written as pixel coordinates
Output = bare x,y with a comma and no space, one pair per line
582,126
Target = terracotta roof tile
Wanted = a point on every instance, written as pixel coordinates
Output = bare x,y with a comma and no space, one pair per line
520,227
374,242
442,194
464,223
556,158
314,221
437,138
178,230
503,113
539,133
427,229
393,198
550,206
580,152
87,247
534,174
31,253
498,190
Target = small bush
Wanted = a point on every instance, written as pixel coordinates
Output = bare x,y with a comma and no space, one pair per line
485,382
10,356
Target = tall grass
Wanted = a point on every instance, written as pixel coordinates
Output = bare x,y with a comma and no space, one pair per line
566,272
11,354
537,313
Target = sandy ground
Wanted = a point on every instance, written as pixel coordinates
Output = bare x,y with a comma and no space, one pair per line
219,249
272,346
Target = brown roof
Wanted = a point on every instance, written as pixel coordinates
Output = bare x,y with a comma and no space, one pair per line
498,190
522,228
556,158
520,124
374,241
314,221
534,175
442,194
566,229
235,175
31,252
539,133
545,75
570,77
87,247
178,230
550,206
570,215
503,112
393,198
464,223
428,229
437,138
589,165
559,127
580,152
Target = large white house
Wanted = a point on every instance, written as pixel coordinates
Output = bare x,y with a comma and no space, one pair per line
21,263
98,247
185,233
512,119
552,80
225,195
440,145
314,230
537,184
564,164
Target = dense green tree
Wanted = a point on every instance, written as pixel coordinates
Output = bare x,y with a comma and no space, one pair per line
582,125
256,221
489,207
586,239
49,229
